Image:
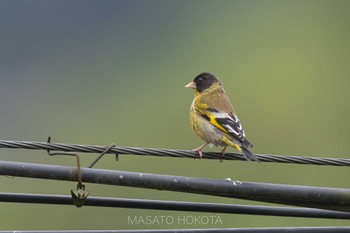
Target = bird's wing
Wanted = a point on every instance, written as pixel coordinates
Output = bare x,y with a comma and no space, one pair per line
226,122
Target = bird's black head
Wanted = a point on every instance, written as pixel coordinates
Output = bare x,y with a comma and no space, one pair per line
204,80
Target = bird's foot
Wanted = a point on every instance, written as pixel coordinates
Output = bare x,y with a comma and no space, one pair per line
199,150
222,154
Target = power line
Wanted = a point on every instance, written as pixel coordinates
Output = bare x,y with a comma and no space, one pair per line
315,197
175,206
14,144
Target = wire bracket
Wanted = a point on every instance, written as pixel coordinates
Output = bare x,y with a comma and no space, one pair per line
102,154
79,194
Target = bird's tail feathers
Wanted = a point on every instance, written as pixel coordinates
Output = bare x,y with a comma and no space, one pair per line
248,155
247,143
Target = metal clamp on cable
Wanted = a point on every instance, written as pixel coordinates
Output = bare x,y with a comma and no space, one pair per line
79,195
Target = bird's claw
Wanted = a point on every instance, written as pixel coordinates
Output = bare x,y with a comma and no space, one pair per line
222,154
199,152
223,151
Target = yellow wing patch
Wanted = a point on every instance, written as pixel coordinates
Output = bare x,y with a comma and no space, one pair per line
215,123
210,117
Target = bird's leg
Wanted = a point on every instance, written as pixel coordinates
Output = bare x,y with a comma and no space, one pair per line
199,149
223,154
228,143
223,151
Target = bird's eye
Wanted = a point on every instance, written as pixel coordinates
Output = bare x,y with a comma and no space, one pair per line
200,80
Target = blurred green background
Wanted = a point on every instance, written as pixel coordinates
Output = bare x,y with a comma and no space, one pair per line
101,72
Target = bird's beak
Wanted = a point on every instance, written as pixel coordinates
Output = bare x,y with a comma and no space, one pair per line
191,85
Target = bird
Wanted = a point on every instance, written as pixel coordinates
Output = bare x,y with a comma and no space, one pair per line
213,118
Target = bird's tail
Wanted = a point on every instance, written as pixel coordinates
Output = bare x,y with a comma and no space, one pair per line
248,155
247,143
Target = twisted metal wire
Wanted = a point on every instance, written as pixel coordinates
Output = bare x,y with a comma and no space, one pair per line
15,144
